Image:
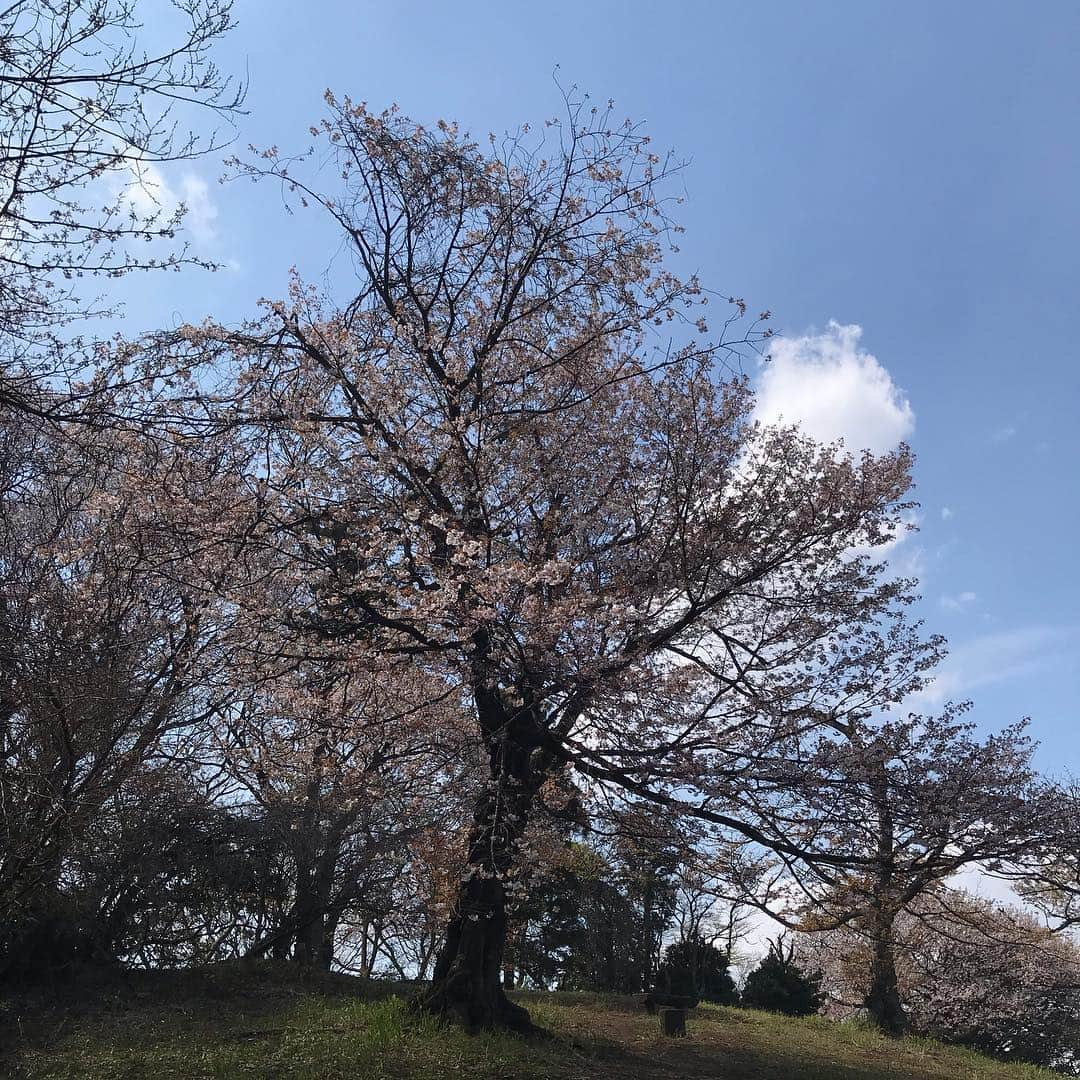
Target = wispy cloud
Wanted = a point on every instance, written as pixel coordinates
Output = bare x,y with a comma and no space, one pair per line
150,194
834,389
1003,434
946,513
958,602
996,658
202,211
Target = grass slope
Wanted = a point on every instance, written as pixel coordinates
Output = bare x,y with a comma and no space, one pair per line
270,1023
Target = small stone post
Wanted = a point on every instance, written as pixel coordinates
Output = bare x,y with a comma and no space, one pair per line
673,1022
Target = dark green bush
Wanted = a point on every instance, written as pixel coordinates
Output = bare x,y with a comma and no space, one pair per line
778,984
694,968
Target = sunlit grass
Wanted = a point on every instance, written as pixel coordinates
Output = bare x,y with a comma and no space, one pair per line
272,1025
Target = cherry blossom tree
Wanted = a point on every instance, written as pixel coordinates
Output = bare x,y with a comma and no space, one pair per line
103,639
345,768
515,455
912,800
1046,872
970,971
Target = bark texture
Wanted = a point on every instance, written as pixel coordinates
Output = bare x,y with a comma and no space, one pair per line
883,995
467,986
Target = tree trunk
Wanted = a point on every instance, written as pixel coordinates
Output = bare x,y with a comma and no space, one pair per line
280,949
645,952
883,995
467,982
315,915
329,935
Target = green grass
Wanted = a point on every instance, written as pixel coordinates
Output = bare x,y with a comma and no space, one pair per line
228,1023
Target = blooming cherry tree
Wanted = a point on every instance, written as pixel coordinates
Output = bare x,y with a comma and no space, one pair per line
515,455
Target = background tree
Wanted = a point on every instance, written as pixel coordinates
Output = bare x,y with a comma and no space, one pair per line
576,928
91,103
344,768
779,984
103,645
649,854
693,967
703,906
164,875
1047,872
595,915
971,972
407,931
910,800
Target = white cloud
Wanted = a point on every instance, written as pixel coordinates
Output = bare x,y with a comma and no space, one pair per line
909,561
958,602
996,658
201,209
1003,434
149,194
946,513
833,390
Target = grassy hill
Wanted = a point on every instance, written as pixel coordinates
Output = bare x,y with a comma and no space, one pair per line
270,1023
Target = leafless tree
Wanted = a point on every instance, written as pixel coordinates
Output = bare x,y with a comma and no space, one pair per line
91,104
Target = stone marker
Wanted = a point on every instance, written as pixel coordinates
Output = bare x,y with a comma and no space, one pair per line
673,1022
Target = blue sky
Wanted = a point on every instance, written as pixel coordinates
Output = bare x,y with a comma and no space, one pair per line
911,170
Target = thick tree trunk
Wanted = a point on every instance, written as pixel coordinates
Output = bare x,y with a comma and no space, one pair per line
314,945
467,982
883,1001
279,946
305,934
883,994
